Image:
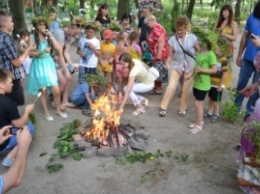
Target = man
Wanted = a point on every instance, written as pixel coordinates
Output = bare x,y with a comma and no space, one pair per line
9,115
66,37
142,27
9,56
13,177
247,66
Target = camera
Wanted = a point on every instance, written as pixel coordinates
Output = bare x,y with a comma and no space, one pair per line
14,130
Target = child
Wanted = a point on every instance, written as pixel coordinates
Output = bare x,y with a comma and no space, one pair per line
9,115
107,55
84,96
54,24
43,72
135,49
88,49
205,65
217,83
120,72
24,38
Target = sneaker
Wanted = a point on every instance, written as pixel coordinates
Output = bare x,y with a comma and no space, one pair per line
207,115
214,118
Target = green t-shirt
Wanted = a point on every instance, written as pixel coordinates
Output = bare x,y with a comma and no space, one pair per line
205,61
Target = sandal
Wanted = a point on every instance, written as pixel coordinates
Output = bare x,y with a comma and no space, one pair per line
87,112
193,125
182,113
153,92
195,130
162,113
145,102
138,111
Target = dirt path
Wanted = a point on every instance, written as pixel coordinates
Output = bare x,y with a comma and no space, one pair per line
209,169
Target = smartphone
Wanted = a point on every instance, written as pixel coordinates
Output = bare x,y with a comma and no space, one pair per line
14,130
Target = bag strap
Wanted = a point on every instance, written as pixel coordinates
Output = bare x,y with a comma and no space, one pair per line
185,52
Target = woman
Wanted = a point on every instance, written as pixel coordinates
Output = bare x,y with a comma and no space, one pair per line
43,72
103,18
157,39
126,23
228,30
139,81
181,61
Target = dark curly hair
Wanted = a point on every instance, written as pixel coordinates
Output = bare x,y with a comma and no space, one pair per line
256,11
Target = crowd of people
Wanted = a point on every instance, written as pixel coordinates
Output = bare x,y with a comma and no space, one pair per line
123,59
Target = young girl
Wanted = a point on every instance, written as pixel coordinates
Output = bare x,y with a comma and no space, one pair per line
205,65
24,38
135,49
43,70
125,23
138,71
120,72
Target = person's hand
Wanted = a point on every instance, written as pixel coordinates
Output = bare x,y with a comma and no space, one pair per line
24,137
48,50
5,133
47,32
239,61
219,89
222,34
166,66
91,46
120,111
198,69
255,40
249,90
29,108
67,74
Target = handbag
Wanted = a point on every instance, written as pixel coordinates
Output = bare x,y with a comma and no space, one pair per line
256,61
154,72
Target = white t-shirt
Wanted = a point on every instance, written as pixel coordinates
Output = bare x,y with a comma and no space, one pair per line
91,60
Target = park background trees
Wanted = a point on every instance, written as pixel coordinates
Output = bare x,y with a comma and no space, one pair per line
199,11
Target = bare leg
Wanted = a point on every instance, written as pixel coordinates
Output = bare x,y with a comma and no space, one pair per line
56,98
43,99
199,110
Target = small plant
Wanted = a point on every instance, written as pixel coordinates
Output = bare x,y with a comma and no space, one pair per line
65,146
230,108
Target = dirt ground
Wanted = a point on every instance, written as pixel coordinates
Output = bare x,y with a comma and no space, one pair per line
210,168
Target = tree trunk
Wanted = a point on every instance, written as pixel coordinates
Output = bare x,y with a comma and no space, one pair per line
237,11
17,10
190,8
82,4
201,2
123,7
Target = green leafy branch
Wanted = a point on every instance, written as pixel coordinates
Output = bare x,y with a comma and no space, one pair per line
65,146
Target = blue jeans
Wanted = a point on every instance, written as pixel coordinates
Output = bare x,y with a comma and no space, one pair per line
246,71
13,140
81,100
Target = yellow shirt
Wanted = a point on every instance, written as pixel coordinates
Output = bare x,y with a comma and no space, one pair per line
108,51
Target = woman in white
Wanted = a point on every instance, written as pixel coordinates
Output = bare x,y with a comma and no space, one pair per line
140,80
180,62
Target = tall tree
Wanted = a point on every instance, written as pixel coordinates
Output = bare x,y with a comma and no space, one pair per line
190,8
237,11
123,7
82,3
17,10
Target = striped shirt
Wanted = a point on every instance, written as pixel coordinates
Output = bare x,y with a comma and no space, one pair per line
222,67
8,52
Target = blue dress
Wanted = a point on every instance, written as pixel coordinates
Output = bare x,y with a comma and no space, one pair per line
43,71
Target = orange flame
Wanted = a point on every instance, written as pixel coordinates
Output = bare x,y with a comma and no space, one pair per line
106,118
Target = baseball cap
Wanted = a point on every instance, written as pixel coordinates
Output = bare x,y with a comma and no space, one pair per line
107,34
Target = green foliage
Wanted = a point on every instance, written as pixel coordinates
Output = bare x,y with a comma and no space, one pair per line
65,146
91,79
33,119
230,108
